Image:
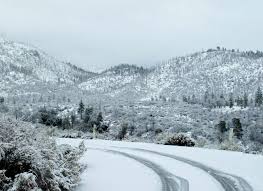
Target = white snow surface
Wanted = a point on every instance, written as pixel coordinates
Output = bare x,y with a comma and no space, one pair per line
112,172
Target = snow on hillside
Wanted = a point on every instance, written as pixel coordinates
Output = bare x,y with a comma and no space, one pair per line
114,79
214,71
220,71
20,63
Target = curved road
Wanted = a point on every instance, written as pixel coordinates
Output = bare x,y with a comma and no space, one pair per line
229,182
169,181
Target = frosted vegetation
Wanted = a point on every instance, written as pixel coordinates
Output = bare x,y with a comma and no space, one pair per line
31,160
210,99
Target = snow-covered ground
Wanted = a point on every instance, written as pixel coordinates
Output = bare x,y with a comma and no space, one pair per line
114,166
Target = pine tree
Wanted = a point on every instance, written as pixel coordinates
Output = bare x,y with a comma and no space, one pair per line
231,101
221,130
206,96
185,99
2,100
245,100
222,126
99,119
73,119
237,128
259,97
66,123
81,108
88,113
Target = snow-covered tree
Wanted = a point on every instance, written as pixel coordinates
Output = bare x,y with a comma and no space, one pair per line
259,97
237,128
81,108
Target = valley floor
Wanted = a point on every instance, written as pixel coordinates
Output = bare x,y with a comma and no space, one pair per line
118,166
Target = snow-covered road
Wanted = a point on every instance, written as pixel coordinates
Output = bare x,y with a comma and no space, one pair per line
114,166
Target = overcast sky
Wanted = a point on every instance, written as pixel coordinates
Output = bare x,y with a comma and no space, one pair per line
97,34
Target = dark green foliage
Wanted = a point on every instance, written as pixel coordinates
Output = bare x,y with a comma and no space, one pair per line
237,128
245,100
81,108
158,131
231,101
239,101
222,127
3,108
2,100
87,114
131,129
73,119
185,99
221,130
123,131
259,97
49,118
99,118
43,116
66,123
103,128
180,140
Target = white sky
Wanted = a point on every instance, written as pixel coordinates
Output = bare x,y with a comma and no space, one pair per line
101,33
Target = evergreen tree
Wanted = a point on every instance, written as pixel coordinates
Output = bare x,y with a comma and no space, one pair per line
221,130
206,96
237,128
193,101
184,99
99,119
81,108
239,101
245,100
259,97
2,100
66,123
231,101
222,126
73,119
123,131
88,113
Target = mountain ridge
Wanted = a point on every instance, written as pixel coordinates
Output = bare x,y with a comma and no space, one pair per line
215,70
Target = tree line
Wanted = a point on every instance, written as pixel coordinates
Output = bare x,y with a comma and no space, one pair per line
212,100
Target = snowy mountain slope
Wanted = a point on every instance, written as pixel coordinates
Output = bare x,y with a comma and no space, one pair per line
200,169
217,71
115,79
21,64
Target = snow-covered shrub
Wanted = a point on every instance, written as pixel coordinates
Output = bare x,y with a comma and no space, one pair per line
231,146
158,131
31,161
254,148
3,108
5,182
201,141
122,131
256,135
180,140
25,181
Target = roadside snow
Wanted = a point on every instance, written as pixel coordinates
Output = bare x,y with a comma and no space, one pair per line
110,172
113,169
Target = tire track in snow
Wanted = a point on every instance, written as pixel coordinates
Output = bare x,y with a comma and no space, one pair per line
169,181
228,181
